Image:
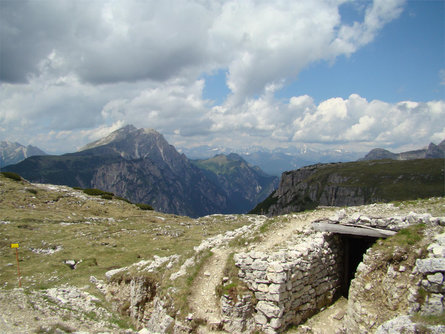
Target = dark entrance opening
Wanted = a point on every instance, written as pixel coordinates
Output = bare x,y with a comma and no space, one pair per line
354,248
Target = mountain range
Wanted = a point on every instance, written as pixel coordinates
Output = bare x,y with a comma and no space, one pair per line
141,166
278,160
13,152
374,178
433,151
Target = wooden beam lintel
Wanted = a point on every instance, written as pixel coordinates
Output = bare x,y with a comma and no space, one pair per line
364,231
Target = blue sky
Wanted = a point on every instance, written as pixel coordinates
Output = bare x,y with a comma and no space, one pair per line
402,63
327,74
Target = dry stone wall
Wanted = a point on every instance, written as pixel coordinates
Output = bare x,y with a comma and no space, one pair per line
391,285
430,302
432,270
292,283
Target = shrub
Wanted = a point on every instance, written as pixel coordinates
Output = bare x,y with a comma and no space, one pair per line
144,206
12,176
123,199
107,196
97,192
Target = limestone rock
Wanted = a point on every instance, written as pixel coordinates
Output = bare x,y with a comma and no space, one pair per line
436,278
430,265
269,309
160,321
402,324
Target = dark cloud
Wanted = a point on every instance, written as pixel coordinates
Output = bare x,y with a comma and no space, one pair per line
102,42
32,30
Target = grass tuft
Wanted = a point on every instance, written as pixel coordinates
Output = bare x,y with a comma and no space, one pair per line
234,287
429,319
404,240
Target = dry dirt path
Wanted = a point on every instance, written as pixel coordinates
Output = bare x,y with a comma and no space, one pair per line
328,321
283,231
203,301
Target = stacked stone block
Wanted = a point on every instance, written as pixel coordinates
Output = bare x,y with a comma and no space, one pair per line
433,271
293,283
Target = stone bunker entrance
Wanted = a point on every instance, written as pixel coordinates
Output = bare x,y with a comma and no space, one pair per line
354,247
292,284
355,241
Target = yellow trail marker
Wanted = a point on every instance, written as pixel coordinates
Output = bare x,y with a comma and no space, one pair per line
16,246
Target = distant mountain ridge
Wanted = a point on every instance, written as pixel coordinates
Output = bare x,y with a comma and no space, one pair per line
13,152
431,152
245,185
278,160
140,165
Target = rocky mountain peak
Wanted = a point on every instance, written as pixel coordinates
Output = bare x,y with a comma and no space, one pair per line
132,143
117,135
235,157
140,165
13,152
379,153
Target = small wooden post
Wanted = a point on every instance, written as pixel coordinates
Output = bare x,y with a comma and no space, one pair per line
16,246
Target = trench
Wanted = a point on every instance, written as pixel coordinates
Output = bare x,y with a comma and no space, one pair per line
291,289
354,247
329,318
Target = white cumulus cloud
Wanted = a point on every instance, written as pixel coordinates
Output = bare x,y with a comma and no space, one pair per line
72,72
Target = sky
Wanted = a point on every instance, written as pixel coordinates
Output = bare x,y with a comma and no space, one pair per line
325,73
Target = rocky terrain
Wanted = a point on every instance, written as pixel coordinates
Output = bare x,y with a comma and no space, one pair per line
95,265
12,153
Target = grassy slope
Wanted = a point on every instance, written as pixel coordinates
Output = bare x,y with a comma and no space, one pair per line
392,179
74,169
104,234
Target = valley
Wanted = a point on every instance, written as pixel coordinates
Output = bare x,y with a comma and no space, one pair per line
141,166
129,236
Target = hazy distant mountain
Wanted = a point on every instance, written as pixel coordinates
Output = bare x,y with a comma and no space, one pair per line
431,152
277,161
12,153
140,165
